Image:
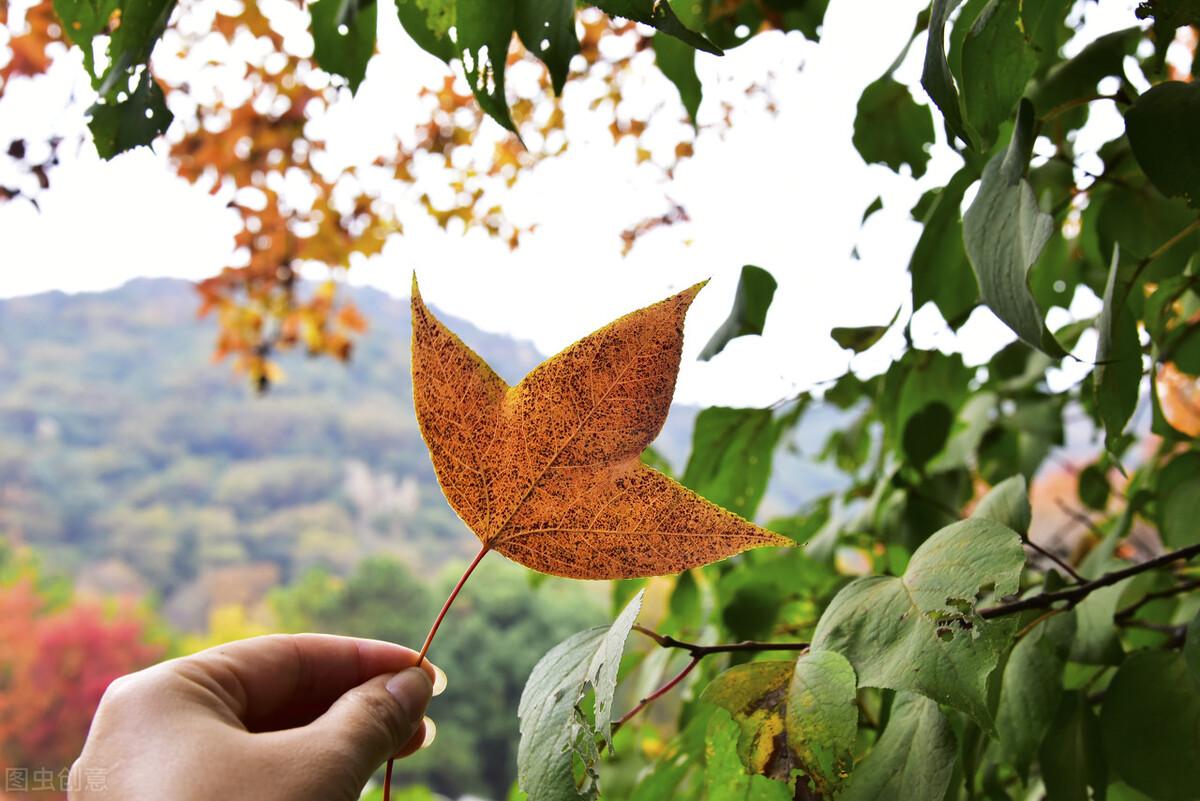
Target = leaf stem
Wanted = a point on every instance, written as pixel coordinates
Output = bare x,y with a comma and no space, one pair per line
1131,610
661,691
437,623
1162,249
1074,595
450,600
1055,558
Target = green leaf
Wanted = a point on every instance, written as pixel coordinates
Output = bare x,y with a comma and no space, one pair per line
554,731
1071,756
1118,358
1031,688
822,719
936,77
133,122
891,128
755,696
941,273
658,15
1004,232
919,378
485,30
926,433
82,21
922,632
1096,640
428,23
344,37
1008,504
997,62
724,777
861,338
876,205
547,29
1093,487
732,453
1150,722
142,24
677,61
913,760
1159,126
1076,79
755,290
1178,489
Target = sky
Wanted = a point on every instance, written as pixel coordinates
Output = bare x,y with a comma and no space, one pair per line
784,191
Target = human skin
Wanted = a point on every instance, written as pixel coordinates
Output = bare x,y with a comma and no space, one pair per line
304,717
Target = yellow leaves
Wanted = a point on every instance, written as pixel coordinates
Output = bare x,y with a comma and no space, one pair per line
548,473
1179,397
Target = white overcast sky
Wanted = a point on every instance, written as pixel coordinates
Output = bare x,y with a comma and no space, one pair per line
784,192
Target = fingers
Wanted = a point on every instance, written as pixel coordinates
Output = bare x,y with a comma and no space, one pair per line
282,681
380,718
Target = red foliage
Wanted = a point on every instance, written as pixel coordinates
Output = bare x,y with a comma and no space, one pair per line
54,667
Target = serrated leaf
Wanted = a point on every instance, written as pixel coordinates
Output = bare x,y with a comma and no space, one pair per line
935,76
822,719
1004,232
941,273
1150,721
912,761
1159,126
731,458
1031,688
136,121
891,128
997,62
547,29
755,291
485,30
659,15
548,473
344,37
1008,504
921,632
554,732
1118,372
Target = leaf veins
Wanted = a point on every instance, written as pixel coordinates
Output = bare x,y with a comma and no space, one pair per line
547,472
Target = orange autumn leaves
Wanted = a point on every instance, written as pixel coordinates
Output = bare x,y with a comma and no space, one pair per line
548,473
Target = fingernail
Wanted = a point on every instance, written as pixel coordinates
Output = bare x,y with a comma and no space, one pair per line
411,689
439,681
430,733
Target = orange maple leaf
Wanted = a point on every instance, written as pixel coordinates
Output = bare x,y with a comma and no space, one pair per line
547,472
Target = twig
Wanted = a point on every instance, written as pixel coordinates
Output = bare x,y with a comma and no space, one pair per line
1074,595
1131,610
1183,234
697,653
1058,560
695,649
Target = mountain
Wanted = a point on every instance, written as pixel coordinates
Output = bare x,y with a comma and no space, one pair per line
134,463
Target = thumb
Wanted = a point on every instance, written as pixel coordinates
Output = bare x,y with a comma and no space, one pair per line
375,719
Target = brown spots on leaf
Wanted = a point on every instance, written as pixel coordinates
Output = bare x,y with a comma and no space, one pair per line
548,472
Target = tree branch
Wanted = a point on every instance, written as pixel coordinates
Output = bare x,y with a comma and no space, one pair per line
697,653
1129,611
1073,595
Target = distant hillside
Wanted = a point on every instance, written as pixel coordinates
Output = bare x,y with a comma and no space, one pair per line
133,462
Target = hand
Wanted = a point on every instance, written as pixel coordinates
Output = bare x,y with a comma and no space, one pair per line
285,717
